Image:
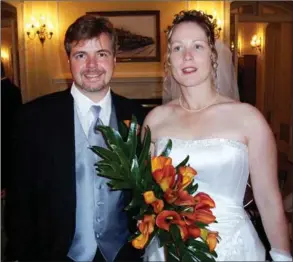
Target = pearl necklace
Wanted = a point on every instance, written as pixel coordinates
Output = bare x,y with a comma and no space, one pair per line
197,110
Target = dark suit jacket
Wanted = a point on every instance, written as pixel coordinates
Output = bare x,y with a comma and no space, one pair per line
40,211
10,102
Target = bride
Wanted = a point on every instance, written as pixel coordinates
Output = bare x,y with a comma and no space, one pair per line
226,140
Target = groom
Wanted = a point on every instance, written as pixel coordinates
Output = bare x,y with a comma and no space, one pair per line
57,208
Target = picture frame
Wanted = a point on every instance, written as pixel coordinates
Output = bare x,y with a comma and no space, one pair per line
138,34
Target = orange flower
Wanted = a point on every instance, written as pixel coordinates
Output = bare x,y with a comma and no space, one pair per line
193,231
184,199
168,217
165,177
204,199
150,198
185,176
170,195
212,240
146,227
159,162
201,215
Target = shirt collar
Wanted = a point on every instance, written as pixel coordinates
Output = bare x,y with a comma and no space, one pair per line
84,103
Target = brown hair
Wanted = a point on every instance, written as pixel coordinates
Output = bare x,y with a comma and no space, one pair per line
88,27
204,21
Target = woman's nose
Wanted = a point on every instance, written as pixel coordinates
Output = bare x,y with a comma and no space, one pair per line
188,55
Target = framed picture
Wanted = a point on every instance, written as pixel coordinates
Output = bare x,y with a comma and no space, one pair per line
138,34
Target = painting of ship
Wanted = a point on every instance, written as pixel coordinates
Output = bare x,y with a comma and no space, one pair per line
138,34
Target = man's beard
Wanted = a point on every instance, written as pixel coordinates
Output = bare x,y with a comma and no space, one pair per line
88,87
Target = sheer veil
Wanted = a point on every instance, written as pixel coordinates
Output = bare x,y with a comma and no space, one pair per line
226,82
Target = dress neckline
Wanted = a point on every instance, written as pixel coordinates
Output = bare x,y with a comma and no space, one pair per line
204,140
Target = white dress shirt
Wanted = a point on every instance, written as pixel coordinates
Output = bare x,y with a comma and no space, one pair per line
83,105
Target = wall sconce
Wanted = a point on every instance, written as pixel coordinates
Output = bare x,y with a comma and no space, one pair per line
256,42
39,28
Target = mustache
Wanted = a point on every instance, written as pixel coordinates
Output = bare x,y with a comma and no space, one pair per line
93,70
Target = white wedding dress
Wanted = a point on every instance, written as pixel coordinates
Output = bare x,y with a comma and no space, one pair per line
222,172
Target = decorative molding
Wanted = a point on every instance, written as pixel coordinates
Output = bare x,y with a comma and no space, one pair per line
130,87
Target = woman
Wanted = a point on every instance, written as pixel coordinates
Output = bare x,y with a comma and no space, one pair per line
226,141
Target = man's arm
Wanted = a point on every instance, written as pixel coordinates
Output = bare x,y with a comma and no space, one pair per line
19,211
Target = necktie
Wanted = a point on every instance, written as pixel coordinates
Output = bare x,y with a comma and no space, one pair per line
95,138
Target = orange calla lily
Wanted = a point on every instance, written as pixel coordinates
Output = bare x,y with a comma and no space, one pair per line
146,227
150,198
159,162
165,177
184,199
186,175
193,231
212,240
168,217
170,195
158,206
201,215
203,198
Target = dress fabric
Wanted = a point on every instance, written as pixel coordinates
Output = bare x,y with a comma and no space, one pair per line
222,172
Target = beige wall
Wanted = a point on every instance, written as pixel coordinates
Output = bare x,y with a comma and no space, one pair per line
42,65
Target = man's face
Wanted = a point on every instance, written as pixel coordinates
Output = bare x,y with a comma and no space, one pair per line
92,63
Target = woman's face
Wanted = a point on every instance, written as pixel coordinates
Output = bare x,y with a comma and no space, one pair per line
190,54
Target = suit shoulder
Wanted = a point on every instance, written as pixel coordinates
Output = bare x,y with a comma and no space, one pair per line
44,104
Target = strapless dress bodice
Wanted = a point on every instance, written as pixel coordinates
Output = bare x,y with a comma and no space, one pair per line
221,165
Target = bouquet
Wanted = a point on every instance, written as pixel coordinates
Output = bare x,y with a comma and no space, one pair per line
163,195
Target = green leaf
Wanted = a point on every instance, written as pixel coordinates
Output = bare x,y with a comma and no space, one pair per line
183,163
123,130
132,138
192,188
200,224
135,174
188,257
164,237
119,185
105,153
167,149
112,138
144,154
194,245
200,256
172,255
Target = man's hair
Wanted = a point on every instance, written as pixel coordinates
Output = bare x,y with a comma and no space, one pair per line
88,27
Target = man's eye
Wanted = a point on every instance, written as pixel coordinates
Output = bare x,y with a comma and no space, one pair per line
103,54
80,56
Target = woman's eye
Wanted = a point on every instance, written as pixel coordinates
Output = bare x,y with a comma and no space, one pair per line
198,46
176,48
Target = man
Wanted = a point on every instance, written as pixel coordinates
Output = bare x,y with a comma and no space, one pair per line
58,209
10,102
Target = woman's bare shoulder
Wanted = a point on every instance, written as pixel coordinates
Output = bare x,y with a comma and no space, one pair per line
160,113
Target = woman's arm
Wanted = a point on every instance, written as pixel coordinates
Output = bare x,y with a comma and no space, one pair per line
264,178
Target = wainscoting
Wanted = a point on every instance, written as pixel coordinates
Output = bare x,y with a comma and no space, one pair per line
146,90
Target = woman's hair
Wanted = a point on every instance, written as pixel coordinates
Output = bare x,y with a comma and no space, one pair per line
201,19
88,27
